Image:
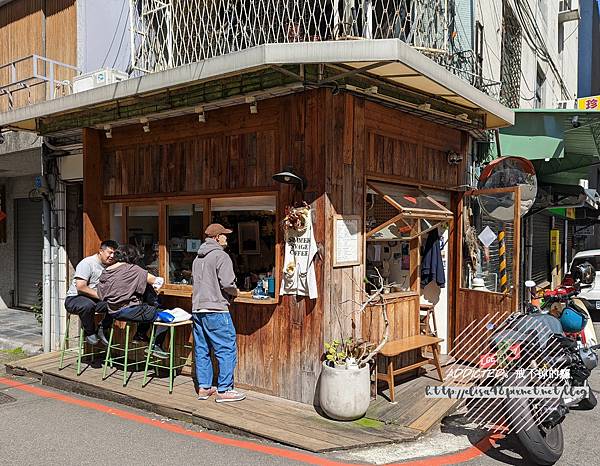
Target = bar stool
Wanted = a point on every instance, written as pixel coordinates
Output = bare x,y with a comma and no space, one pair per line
426,318
155,362
125,349
80,346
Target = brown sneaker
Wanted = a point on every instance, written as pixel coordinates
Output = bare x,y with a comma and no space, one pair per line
230,395
206,393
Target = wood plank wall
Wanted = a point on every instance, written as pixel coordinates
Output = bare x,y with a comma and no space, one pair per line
21,34
334,141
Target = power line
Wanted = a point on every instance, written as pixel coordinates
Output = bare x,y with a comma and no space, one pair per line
115,33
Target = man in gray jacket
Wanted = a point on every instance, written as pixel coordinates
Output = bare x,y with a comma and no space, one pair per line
214,288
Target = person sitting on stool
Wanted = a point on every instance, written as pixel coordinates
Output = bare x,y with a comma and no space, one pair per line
124,287
82,298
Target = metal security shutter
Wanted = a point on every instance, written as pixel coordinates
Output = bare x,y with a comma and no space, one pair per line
540,264
29,245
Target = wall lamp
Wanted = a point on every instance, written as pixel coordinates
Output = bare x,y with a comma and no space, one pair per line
201,115
146,123
287,176
253,105
108,131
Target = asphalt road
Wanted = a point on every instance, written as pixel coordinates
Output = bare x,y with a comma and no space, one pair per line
39,425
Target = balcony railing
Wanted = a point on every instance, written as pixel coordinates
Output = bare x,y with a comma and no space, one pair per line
170,33
32,79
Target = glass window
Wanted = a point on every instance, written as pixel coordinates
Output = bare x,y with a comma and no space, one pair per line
252,244
184,236
116,223
409,201
142,232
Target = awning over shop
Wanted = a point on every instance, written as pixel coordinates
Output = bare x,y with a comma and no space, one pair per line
569,201
392,62
562,144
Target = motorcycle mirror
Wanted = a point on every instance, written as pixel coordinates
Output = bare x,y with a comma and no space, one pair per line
530,284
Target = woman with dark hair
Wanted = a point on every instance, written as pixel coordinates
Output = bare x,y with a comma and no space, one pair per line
128,290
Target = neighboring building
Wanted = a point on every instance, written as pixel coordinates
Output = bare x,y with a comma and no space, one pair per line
222,99
45,45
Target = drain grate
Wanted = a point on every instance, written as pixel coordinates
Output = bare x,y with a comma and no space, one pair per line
4,398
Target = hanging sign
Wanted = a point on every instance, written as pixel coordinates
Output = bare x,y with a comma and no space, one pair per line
299,277
346,240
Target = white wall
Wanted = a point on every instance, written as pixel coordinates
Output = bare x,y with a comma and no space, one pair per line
489,13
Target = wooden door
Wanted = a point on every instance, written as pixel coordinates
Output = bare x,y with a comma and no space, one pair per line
488,250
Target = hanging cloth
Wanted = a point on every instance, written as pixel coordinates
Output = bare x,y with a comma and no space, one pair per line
299,276
432,265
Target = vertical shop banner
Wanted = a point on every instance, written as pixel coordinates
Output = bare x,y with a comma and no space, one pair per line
299,276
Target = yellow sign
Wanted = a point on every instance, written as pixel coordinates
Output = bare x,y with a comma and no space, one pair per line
555,247
589,103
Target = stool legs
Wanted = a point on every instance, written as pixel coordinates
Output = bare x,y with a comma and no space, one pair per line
150,346
107,360
64,342
390,379
126,354
80,350
171,354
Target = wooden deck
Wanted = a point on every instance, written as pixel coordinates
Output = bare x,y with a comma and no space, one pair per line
261,416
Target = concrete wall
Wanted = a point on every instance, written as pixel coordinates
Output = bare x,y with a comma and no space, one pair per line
565,56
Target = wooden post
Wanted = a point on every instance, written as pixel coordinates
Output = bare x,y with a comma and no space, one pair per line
95,212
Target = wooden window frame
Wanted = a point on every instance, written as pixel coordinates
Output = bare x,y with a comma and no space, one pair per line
164,201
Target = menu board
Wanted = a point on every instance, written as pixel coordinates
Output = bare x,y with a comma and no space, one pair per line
346,240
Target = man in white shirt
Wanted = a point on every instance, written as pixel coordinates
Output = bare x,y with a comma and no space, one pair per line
82,298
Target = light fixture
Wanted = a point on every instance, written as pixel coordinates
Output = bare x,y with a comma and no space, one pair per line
453,157
462,116
146,123
372,90
575,122
253,105
287,176
201,115
108,131
424,107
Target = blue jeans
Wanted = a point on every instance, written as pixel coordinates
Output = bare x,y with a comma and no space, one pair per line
214,330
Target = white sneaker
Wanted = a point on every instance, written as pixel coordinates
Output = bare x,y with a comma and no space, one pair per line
230,395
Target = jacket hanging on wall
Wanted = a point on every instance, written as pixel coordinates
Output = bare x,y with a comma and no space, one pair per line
299,276
432,265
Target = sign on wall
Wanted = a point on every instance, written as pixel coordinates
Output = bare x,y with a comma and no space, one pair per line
346,240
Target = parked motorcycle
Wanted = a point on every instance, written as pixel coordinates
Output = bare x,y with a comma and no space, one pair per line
531,344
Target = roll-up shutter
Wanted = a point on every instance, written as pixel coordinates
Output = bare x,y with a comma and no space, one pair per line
540,265
29,245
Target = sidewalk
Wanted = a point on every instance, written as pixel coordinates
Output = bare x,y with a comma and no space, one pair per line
20,329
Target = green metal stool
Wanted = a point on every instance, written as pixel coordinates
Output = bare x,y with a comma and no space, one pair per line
156,361
80,349
125,349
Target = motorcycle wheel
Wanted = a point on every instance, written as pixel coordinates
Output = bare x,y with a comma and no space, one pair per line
590,402
544,447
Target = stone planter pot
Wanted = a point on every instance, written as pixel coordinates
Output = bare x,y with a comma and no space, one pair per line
344,394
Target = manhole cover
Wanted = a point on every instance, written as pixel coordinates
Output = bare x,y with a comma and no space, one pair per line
4,398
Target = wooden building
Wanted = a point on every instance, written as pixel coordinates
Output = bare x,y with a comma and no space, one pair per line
168,153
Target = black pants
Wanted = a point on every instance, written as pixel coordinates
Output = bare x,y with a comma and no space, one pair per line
144,314
86,307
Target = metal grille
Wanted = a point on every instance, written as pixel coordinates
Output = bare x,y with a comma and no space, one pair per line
510,67
170,33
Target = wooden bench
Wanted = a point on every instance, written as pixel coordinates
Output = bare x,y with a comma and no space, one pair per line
398,347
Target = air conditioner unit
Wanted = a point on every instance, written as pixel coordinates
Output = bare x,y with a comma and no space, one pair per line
568,10
97,78
567,104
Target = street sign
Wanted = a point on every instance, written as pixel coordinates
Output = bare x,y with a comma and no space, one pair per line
589,103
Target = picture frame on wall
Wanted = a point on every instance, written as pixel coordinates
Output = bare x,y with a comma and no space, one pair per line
249,237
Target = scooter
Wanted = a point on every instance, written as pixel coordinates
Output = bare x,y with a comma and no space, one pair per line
528,343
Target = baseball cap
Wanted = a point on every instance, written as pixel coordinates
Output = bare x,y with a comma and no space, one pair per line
215,229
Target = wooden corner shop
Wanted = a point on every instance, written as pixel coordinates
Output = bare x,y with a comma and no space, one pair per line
159,190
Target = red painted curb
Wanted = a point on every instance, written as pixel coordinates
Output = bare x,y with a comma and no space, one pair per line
307,458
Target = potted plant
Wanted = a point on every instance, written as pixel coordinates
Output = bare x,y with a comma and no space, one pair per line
345,381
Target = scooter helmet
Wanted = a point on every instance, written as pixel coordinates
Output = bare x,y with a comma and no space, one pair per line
572,320
584,273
